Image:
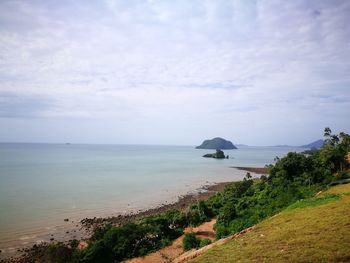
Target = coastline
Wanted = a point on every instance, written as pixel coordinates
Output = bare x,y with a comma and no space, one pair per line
87,225
182,203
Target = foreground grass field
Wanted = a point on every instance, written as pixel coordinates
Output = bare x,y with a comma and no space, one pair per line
313,230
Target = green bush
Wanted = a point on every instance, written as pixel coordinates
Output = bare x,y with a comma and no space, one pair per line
343,175
73,244
100,231
190,241
204,242
95,252
59,253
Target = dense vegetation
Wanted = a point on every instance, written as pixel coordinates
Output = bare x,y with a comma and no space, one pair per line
311,230
293,177
242,204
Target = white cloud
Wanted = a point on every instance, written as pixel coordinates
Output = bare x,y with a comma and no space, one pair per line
149,67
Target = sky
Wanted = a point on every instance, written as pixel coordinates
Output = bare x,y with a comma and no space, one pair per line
174,72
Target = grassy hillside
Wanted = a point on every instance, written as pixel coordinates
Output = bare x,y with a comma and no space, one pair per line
313,230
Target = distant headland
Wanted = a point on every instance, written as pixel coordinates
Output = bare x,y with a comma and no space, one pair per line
217,143
314,145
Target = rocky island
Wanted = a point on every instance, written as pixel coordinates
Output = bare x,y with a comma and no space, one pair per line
218,155
217,143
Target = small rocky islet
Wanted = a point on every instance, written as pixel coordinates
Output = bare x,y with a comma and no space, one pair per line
218,144
218,155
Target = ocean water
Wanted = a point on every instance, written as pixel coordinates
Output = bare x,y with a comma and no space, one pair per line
42,184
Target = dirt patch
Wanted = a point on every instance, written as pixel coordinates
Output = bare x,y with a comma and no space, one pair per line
169,253
195,253
205,230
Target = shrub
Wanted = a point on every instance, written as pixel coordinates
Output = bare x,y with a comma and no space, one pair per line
96,252
100,231
343,175
59,253
73,244
204,242
190,241
193,216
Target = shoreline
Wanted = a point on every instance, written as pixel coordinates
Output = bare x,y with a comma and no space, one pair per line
182,203
87,225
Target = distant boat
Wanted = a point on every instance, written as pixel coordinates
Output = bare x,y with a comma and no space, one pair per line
67,143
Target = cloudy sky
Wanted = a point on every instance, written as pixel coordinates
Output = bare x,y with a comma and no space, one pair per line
173,72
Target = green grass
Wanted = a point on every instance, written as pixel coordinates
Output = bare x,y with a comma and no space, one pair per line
316,201
314,230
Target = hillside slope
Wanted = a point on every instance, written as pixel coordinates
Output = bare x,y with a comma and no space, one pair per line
316,144
313,230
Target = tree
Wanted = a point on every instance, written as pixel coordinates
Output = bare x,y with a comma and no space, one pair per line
334,152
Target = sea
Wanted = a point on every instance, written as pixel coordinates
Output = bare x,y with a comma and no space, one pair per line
46,189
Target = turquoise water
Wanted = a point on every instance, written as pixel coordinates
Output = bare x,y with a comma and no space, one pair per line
42,184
